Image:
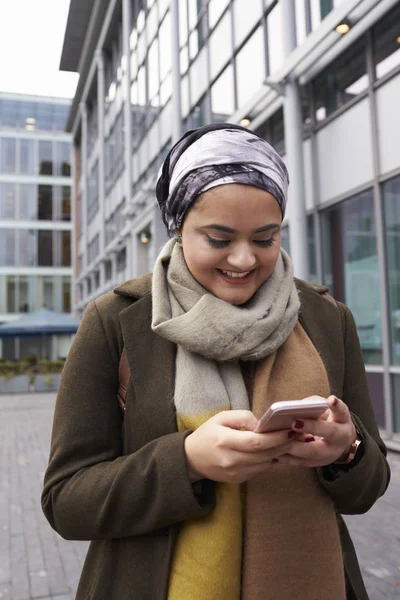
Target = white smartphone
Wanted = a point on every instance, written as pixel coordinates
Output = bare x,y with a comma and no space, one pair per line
281,415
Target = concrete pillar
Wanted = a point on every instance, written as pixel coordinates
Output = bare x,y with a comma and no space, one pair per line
176,74
101,154
294,150
84,178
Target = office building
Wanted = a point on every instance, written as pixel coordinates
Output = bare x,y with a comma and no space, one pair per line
320,80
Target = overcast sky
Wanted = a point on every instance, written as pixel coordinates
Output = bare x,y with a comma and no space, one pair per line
31,38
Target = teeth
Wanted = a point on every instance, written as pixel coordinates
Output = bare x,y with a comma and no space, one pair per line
236,275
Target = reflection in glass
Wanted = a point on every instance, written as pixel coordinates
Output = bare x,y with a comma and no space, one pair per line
66,294
66,203
275,41
391,206
26,248
45,203
375,386
215,10
7,247
45,157
301,33
396,408
45,248
250,72
65,248
154,82
386,42
164,36
28,201
221,44
27,157
198,76
222,96
8,162
245,16
351,267
8,201
341,81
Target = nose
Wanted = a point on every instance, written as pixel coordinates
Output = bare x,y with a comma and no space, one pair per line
242,257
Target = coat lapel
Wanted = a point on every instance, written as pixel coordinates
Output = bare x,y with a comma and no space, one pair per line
151,360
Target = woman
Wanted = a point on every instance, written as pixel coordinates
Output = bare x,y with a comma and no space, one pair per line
180,498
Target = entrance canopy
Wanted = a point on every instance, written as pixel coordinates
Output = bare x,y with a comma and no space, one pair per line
41,322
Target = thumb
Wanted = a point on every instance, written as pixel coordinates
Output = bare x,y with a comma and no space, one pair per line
238,419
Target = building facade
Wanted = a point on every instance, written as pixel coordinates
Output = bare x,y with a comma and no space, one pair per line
35,211
319,79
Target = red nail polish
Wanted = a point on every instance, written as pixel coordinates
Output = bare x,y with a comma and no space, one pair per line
334,401
291,435
274,460
299,424
310,439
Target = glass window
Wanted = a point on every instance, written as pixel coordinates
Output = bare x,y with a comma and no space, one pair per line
26,243
222,96
198,76
375,385
65,248
285,241
221,44
45,157
250,72
245,16
154,82
45,248
28,201
45,117
8,201
8,160
342,81
319,10
386,36
312,251
66,203
7,248
396,408
391,199
273,131
351,267
275,41
66,294
63,159
215,10
27,157
45,203
11,293
301,33
164,37
8,113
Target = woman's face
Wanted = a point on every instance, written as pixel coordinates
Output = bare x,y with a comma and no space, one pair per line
231,240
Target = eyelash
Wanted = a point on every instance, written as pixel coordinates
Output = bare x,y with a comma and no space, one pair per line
223,243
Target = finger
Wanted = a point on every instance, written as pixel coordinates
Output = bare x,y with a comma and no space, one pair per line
339,410
323,429
247,441
237,419
315,450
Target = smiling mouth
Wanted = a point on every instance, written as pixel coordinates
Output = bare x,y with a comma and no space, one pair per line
235,276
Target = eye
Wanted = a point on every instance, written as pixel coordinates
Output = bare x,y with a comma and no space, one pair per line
217,243
266,243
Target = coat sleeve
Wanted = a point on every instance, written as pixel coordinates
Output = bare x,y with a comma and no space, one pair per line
355,489
91,491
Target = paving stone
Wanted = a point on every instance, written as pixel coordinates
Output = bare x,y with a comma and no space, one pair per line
37,564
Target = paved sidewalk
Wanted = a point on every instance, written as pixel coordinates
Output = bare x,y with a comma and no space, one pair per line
36,564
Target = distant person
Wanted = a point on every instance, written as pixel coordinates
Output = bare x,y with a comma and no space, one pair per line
180,498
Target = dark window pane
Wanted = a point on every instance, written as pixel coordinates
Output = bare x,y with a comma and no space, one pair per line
66,249
351,267
386,42
396,407
63,150
342,81
66,292
273,131
45,248
391,199
8,162
11,294
45,157
45,203
66,203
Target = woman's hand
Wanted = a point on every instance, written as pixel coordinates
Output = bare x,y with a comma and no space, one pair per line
331,437
226,449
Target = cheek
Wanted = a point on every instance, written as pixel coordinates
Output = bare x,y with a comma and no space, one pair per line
200,259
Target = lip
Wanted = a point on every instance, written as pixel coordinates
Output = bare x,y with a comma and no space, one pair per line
237,281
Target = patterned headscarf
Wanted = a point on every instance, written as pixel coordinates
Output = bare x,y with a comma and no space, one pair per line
215,155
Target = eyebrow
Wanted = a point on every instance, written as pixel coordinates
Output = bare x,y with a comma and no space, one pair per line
229,230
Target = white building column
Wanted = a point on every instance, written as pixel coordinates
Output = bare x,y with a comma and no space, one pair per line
176,73
83,180
101,154
294,150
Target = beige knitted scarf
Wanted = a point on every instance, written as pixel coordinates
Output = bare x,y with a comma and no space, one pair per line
211,336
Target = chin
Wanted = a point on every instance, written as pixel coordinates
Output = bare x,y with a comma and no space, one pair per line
235,298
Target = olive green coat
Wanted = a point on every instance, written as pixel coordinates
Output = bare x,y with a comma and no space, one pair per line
123,483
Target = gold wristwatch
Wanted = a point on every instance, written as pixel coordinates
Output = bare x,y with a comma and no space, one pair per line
352,452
